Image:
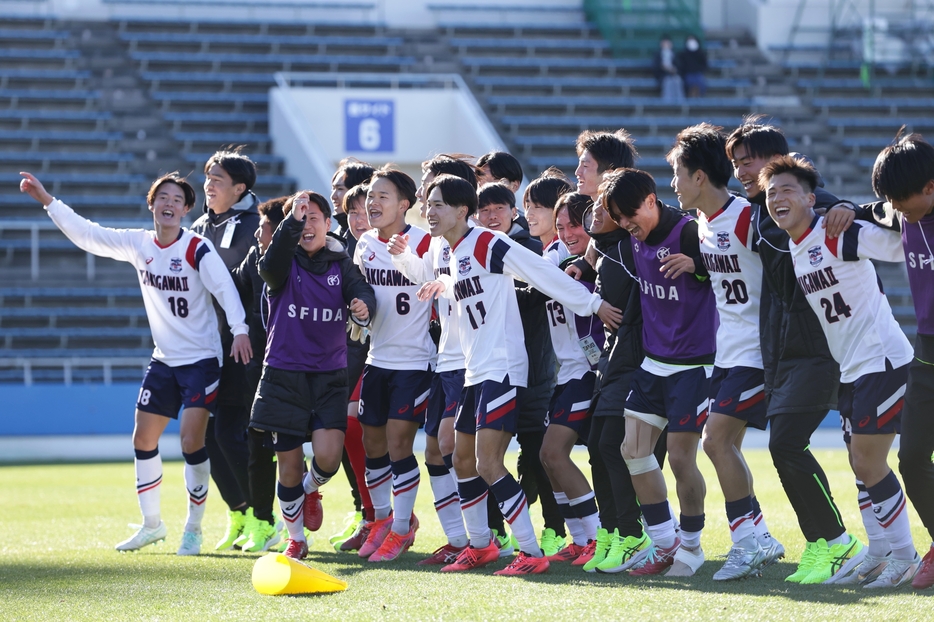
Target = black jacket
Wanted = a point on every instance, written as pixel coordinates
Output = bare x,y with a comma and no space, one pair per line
622,351
276,263
250,285
243,217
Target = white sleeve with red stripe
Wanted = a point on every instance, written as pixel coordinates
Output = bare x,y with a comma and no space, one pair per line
201,256
119,244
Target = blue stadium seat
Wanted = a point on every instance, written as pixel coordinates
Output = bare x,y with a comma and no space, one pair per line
79,200
217,118
28,54
56,115
103,353
64,156
319,41
70,292
227,79
221,138
129,313
42,95
641,122
569,163
209,97
49,74
294,4
283,60
32,34
529,44
84,178
61,136
570,103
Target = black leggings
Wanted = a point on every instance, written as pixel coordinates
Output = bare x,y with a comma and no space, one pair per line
917,442
262,473
802,477
612,484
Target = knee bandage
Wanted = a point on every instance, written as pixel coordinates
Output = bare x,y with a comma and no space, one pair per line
638,466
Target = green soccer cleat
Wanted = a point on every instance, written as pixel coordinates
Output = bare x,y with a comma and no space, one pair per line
350,527
236,521
624,553
604,541
812,553
551,542
262,537
504,543
249,524
837,562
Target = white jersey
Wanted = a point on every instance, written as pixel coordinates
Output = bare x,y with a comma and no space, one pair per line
177,282
563,325
427,268
727,250
399,330
483,265
556,251
842,287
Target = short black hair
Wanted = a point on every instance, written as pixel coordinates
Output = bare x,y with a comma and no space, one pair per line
576,204
178,180
357,193
355,172
272,210
904,168
803,172
610,149
502,165
546,190
455,191
239,166
445,164
702,147
495,192
405,185
760,139
313,197
625,190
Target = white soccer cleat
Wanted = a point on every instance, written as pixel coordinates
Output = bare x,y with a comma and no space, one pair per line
191,544
774,551
896,573
744,559
144,536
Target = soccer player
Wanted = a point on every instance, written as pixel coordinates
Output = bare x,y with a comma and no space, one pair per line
397,375
178,273
801,376
539,204
350,173
483,265
599,152
737,388
501,167
577,344
841,285
229,221
671,386
904,175
312,284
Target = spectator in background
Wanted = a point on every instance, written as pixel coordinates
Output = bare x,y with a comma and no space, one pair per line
666,71
692,63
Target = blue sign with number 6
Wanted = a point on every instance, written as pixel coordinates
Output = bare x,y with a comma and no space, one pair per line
369,125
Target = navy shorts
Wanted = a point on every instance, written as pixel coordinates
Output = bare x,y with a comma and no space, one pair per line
489,404
739,392
393,394
873,403
166,390
443,398
570,404
681,399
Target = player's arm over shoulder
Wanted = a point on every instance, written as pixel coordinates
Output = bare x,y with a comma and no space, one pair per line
872,242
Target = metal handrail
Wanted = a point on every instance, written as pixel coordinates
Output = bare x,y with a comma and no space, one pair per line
68,364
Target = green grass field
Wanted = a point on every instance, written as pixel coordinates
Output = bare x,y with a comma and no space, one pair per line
60,523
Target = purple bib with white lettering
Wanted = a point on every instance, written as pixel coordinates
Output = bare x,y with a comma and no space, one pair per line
920,262
679,316
307,319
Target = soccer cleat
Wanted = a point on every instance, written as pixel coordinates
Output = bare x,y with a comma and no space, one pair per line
263,536
868,571
470,558
569,553
350,527
354,542
602,546
379,529
925,576
657,559
837,562
586,553
393,546
248,525
313,513
773,552
551,542
144,536
624,553
524,564
446,554
687,562
236,521
296,549
812,552
504,544
745,558
897,573
191,544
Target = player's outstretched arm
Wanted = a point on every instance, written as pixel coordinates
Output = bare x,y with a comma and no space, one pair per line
34,188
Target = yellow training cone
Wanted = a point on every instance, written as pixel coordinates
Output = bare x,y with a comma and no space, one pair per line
275,574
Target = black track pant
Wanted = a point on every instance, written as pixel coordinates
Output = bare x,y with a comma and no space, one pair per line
917,442
351,477
612,484
802,477
262,474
